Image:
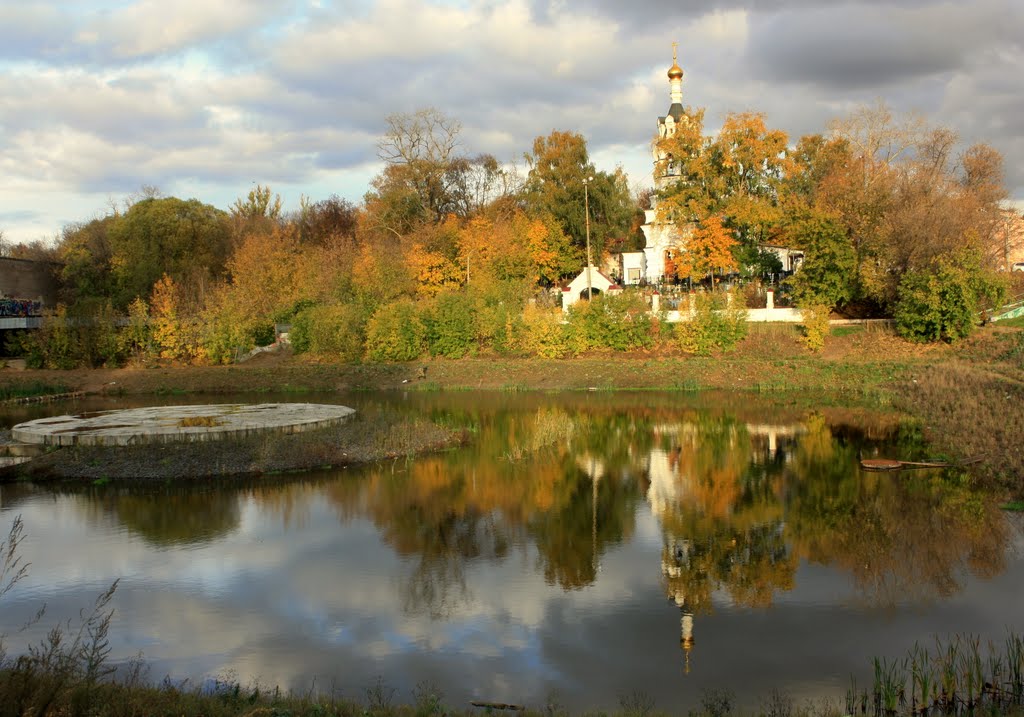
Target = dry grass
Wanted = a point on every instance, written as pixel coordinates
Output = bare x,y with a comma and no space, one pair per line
200,422
970,411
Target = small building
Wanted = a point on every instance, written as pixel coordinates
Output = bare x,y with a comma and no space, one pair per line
632,267
791,259
576,290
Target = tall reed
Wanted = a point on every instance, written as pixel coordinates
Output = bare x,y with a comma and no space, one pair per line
956,677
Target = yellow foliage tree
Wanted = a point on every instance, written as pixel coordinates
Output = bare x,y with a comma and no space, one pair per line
175,336
707,250
433,271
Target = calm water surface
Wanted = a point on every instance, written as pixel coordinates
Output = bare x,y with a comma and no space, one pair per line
583,547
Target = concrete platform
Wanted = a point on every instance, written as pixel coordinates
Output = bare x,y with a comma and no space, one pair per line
178,424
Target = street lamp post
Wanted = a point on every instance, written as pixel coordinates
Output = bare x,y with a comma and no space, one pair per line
586,209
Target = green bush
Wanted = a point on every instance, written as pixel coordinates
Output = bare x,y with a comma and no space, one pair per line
945,303
716,321
83,336
620,322
336,330
498,310
395,332
135,337
224,338
451,325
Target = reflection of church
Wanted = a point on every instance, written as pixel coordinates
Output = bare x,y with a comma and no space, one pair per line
676,558
689,560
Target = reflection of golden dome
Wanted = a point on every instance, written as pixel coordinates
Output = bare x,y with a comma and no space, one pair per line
687,644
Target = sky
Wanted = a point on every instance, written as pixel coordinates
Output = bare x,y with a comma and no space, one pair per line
208,98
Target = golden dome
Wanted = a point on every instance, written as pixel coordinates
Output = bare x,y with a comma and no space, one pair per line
675,72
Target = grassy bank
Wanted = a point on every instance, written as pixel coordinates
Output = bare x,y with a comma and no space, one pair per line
956,678
967,397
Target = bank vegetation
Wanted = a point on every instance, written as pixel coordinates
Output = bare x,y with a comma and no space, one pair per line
452,254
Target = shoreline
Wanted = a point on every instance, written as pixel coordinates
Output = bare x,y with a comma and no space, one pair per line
968,399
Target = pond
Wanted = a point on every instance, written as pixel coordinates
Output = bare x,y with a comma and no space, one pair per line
583,549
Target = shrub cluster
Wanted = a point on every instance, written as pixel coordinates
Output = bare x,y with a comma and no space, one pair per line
452,324
717,322
816,326
945,304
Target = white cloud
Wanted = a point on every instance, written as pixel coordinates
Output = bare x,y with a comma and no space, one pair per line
218,94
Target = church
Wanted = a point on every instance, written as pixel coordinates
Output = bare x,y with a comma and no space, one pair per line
664,238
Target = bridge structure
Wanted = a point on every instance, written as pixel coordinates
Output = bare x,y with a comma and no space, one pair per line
1009,311
26,288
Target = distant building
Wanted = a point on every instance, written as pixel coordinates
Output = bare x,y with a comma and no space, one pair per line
632,267
1010,240
791,259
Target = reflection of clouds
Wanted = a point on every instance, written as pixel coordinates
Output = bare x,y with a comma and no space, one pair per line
290,601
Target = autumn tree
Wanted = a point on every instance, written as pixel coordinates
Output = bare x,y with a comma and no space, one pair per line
35,250
745,164
267,281
433,259
735,175
331,218
708,249
478,182
558,167
419,150
175,334
85,253
906,199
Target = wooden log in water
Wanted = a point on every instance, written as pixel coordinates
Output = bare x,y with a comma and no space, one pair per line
889,464
880,464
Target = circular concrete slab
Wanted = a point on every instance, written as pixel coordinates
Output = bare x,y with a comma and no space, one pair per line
178,424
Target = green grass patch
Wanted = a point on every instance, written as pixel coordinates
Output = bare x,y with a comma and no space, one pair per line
31,389
848,330
1015,323
1014,506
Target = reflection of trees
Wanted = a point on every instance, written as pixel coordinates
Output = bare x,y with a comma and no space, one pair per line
520,474
740,504
904,535
594,514
175,516
596,497
438,581
745,516
427,512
